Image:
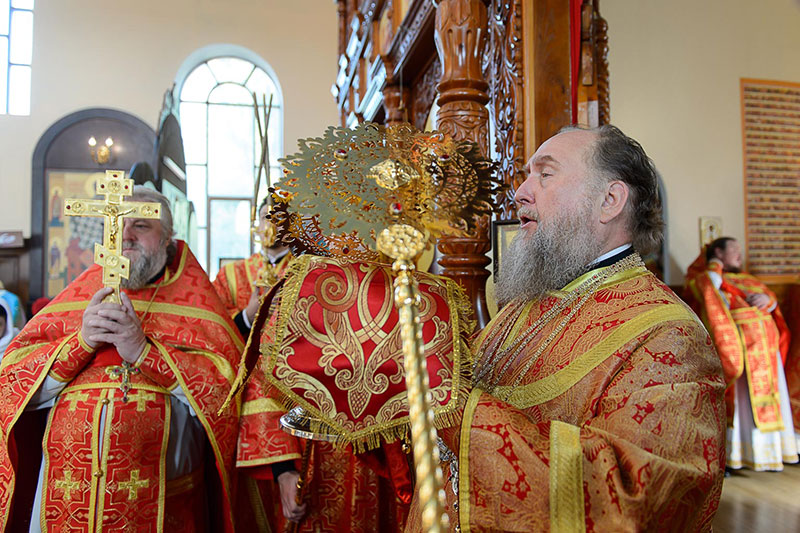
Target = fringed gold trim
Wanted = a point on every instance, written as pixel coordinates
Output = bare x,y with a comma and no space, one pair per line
464,465
370,437
242,373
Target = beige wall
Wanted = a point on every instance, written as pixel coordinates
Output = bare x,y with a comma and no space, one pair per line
124,55
675,70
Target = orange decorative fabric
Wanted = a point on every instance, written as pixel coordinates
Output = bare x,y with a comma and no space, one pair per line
337,350
234,282
745,338
192,343
618,425
334,334
255,497
750,284
343,493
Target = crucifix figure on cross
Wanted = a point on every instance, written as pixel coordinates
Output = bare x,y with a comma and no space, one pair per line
114,186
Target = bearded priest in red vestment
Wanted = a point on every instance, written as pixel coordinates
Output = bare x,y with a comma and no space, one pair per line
598,399
752,340
131,393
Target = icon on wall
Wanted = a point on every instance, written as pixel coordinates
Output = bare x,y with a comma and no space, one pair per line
710,229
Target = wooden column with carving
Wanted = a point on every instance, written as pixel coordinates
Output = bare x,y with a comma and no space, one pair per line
461,38
396,100
592,101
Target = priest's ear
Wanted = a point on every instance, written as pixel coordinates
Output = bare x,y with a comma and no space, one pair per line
615,198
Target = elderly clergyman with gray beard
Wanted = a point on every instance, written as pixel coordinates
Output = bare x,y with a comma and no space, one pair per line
133,438
598,399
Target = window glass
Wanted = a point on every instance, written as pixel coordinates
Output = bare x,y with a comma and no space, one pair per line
274,136
4,14
193,131
19,90
222,152
231,93
198,84
21,4
231,69
196,187
260,83
202,248
230,232
21,37
3,74
230,151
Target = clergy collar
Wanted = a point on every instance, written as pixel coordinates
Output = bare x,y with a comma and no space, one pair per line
158,276
609,258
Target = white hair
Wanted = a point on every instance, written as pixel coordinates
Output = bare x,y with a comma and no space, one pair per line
146,194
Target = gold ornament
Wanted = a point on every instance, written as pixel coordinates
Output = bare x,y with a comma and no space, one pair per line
113,209
342,188
348,184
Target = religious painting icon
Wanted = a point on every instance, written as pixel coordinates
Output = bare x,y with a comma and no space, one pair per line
710,229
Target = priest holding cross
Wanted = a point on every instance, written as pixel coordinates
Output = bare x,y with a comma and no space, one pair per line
114,210
131,382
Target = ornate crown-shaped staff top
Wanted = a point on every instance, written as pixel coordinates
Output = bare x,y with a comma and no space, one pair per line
340,190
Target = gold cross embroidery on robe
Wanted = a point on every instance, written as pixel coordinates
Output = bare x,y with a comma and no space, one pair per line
74,397
141,398
68,485
113,209
133,485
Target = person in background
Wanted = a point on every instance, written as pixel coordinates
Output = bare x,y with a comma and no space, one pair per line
240,284
752,339
17,313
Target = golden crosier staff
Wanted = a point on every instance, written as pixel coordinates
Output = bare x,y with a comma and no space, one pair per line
403,243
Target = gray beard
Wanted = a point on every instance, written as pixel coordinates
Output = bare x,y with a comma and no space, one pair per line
557,253
144,268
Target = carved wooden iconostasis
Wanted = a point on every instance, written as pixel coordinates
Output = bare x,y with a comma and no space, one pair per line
506,74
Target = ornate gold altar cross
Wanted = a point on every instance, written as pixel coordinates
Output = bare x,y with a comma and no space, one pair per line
114,209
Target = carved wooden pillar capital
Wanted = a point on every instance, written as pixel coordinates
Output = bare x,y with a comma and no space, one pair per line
396,100
461,38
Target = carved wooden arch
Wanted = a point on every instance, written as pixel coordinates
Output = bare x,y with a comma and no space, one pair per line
502,71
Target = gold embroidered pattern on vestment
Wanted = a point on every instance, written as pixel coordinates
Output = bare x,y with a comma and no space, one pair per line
573,301
548,388
566,479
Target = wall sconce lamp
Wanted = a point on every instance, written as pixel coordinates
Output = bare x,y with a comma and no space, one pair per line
102,154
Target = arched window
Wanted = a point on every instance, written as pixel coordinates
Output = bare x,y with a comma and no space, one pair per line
222,148
16,54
